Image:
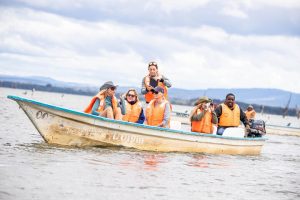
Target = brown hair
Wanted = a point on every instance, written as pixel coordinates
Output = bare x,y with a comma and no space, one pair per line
133,90
152,64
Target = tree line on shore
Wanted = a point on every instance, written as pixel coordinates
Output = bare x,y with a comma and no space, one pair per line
65,90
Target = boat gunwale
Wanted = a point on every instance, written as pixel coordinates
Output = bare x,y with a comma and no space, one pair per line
17,98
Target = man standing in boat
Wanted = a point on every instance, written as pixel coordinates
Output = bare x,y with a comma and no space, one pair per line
153,79
134,110
230,114
158,110
203,117
105,103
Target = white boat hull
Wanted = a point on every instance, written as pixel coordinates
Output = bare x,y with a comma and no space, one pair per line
67,127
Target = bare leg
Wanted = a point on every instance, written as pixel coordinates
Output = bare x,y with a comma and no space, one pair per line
118,114
108,113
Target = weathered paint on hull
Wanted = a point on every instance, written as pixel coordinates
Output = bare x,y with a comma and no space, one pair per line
80,137
78,129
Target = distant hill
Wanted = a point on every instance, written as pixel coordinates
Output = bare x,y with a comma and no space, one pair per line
40,80
258,96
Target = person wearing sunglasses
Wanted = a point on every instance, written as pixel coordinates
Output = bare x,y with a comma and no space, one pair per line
158,110
203,118
133,108
105,104
153,79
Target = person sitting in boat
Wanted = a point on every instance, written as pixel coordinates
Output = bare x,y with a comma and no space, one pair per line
158,111
250,113
153,79
230,114
105,103
134,110
203,117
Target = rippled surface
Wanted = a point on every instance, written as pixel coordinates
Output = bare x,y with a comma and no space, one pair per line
32,169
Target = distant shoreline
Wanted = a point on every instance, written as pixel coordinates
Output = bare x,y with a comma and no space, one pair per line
46,88
190,102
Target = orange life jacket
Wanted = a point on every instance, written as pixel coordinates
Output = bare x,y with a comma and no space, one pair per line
149,95
132,112
204,125
230,117
101,107
250,114
155,115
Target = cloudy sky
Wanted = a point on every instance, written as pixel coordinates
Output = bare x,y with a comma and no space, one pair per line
198,44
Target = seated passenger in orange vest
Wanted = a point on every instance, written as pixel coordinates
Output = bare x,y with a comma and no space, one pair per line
134,110
230,114
105,103
158,110
250,112
153,79
203,116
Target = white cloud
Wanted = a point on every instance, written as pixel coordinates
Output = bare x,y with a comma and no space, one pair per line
210,34
232,8
164,5
277,3
56,4
240,9
258,4
169,6
93,52
153,5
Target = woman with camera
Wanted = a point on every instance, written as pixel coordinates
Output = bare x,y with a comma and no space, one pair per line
153,79
203,118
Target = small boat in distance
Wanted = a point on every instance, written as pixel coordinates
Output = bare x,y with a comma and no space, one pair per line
63,126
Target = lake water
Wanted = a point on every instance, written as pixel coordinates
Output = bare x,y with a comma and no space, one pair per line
32,169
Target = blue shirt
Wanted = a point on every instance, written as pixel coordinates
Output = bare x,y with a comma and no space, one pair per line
108,103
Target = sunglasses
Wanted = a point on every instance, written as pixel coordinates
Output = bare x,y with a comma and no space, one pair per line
112,88
130,95
152,63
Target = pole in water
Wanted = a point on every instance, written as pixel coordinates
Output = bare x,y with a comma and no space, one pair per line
286,109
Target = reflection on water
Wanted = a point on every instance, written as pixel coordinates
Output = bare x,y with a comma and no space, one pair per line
152,162
32,169
199,161
145,161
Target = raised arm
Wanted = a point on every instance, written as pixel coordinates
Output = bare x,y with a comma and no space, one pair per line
243,118
166,81
122,105
144,89
197,116
166,116
95,108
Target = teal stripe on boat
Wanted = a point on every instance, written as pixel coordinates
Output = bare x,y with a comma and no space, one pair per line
16,98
